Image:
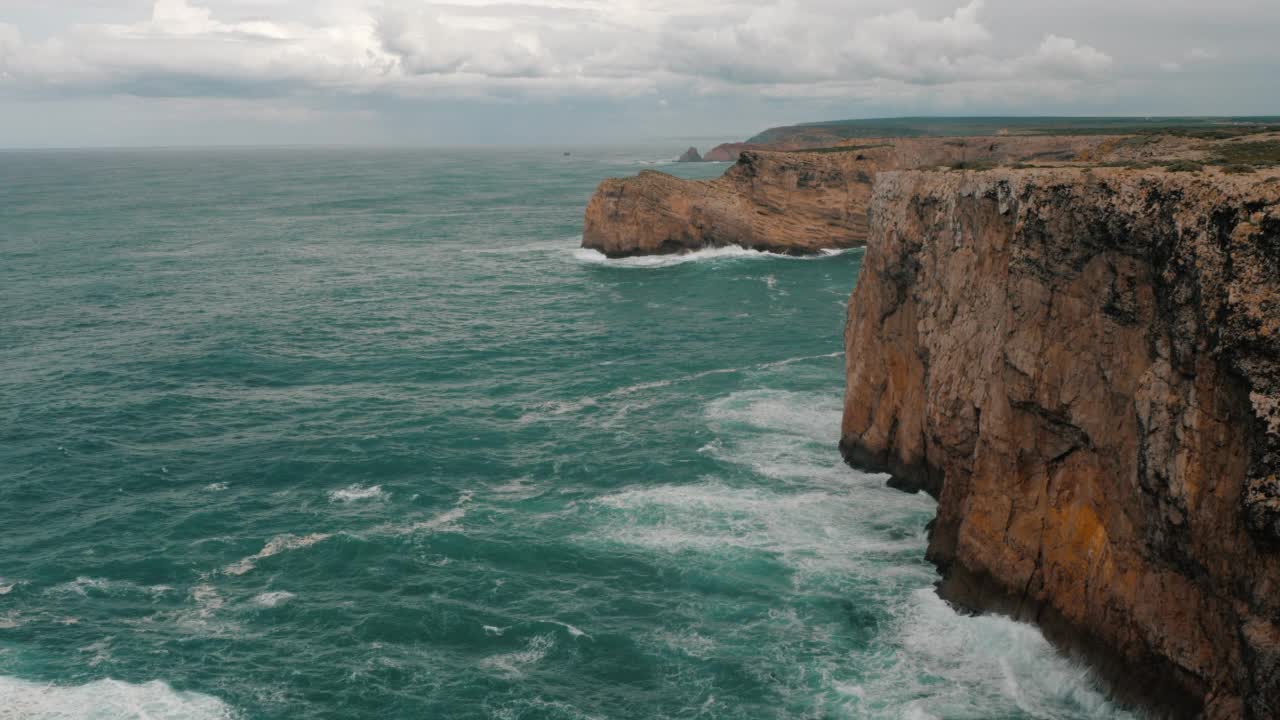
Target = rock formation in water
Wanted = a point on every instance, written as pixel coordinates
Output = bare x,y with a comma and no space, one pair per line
1083,366
690,155
799,202
768,201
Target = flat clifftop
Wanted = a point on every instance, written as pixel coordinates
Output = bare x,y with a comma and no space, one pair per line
1083,366
803,201
767,201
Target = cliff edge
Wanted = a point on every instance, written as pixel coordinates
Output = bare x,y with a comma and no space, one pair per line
804,201
1083,366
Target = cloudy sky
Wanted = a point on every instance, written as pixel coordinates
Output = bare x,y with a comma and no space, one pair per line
196,72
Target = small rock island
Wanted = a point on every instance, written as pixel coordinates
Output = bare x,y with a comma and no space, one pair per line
690,155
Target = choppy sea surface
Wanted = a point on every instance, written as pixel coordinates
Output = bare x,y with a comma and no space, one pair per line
363,434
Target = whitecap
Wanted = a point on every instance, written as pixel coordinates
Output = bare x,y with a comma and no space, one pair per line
562,407
595,257
352,493
443,521
494,630
513,664
273,598
206,599
82,585
573,631
522,488
275,546
990,666
106,700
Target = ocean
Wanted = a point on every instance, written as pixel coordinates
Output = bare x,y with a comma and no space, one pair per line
364,434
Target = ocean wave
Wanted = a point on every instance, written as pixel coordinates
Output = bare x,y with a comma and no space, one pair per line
87,586
990,666
274,546
273,599
553,408
352,493
513,664
595,257
106,700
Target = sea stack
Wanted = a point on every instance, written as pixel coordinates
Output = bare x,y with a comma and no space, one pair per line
690,155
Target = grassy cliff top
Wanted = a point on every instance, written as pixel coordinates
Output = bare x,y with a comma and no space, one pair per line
836,130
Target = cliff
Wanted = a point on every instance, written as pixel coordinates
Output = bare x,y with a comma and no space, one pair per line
1083,366
782,203
795,202
730,152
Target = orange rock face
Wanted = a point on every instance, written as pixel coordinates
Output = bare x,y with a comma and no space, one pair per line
791,202
779,202
1084,368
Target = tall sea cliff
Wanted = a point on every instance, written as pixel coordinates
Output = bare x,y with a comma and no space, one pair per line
1074,345
1082,367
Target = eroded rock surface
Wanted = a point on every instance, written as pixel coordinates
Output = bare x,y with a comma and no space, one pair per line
1084,367
793,202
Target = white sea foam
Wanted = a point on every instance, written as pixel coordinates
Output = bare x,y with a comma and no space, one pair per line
85,586
207,600
446,520
106,700
273,598
836,533
352,493
573,631
275,546
522,488
595,257
562,407
983,665
513,664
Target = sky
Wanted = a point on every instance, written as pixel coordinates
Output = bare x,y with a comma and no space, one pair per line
77,73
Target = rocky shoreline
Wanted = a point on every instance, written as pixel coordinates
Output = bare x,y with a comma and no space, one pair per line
1074,345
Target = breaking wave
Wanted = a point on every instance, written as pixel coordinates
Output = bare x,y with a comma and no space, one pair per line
106,700
595,257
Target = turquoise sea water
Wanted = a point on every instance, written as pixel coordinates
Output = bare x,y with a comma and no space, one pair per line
362,434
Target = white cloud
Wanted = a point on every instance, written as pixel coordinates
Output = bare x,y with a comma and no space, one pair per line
588,64
1065,57
539,47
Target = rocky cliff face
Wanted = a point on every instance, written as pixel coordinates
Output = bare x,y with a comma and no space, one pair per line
791,202
1084,368
768,201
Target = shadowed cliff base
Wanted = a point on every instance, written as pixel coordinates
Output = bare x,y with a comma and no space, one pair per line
1083,366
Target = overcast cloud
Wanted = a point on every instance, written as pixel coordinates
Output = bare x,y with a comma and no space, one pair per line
93,72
